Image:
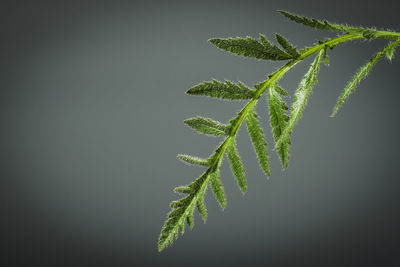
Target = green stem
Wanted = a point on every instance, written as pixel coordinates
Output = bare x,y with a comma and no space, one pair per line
282,71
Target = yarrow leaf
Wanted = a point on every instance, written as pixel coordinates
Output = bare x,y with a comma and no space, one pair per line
311,22
288,47
362,74
236,165
282,124
257,137
217,186
193,160
278,119
390,51
249,47
225,90
300,98
208,126
182,210
328,26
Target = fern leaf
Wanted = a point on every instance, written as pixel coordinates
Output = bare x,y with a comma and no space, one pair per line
361,74
224,90
217,186
325,56
288,47
193,160
300,98
182,210
278,120
207,126
257,137
249,47
236,165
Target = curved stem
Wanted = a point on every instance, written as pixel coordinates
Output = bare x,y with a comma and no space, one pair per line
282,71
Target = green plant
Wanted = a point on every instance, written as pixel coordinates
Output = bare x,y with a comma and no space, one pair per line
282,122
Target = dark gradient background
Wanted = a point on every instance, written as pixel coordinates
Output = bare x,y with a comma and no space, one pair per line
92,104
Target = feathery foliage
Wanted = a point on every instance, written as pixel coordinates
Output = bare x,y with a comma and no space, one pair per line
249,47
207,126
193,160
288,47
300,98
236,165
362,74
257,137
278,119
281,123
224,90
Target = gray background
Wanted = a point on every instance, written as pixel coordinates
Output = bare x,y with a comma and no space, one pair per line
92,104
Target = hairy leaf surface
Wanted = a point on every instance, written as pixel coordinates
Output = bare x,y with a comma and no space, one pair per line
182,210
288,47
217,186
249,47
257,137
236,165
300,98
362,74
224,90
193,160
278,119
208,126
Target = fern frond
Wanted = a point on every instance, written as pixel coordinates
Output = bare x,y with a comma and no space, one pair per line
236,165
300,98
207,126
194,160
288,47
278,120
362,74
225,90
249,47
257,137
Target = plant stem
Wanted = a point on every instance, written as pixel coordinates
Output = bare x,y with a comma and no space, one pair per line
277,75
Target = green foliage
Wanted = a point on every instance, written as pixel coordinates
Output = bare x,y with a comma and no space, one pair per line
278,119
208,126
300,98
363,72
216,185
249,47
257,137
224,90
391,49
281,123
367,33
288,47
236,165
182,210
311,22
193,160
